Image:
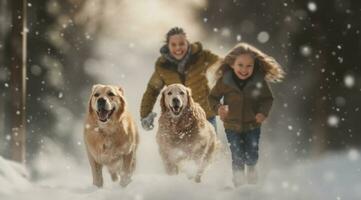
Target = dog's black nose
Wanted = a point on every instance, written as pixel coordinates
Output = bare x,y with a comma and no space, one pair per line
175,101
101,103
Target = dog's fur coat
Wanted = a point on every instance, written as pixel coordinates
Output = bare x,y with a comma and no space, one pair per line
184,132
110,135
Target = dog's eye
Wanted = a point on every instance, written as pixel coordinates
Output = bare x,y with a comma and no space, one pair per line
111,94
181,93
169,93
96,94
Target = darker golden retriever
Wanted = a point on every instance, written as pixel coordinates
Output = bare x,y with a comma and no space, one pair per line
110,134
184,134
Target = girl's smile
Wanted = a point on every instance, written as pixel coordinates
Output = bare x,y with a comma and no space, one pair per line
243,66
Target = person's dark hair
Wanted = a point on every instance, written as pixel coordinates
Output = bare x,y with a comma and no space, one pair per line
174,31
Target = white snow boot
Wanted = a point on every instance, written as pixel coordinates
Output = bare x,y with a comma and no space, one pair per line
252,175
239,178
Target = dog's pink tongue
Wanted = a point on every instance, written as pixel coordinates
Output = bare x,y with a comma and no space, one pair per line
103,114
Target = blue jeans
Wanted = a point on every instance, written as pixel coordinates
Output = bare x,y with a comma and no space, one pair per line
213,121
244,147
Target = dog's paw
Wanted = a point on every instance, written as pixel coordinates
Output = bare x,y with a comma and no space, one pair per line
114,177
125,181
197,179
98,184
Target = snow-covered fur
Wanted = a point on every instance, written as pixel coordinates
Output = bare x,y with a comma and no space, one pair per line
110,134
184,133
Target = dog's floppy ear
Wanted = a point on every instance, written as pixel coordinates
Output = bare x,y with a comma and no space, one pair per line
162,101
121,107
121,90
189,97
95,87
90,110
196,110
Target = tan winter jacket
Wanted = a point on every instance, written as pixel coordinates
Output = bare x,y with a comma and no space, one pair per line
243,105
195,78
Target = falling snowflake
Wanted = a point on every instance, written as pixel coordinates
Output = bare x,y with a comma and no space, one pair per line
226,32
349,81
263,37
312,6
8,137
340,59
305,50
333,120
239,38
353,155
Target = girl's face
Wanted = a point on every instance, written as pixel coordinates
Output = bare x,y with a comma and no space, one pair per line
243,66
178,46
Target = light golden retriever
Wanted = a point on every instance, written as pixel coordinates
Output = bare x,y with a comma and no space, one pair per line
110,135
184,134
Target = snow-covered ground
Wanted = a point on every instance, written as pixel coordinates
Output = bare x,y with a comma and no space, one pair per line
337,176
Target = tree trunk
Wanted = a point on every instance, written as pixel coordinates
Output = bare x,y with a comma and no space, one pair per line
18,79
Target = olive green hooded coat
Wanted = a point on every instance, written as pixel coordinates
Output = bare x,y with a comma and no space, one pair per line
243,104
195,78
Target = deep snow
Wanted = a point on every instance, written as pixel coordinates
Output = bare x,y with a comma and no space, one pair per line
336,176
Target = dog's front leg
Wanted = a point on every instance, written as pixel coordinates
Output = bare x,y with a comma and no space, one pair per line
171,167
127,169
96,172
203,161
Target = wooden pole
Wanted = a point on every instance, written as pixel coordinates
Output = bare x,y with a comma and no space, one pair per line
18,80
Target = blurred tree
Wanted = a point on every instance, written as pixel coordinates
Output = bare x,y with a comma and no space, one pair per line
18,80
4,73
57,78
58,46
330,30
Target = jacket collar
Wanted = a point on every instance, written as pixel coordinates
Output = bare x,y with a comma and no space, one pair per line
196,48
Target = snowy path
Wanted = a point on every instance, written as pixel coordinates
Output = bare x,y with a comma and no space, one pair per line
334,177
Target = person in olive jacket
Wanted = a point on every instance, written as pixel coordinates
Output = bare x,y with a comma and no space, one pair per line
180,62
247,100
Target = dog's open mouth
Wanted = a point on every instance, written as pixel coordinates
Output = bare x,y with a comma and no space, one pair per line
176,109
104,115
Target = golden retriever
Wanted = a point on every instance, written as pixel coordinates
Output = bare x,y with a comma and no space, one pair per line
110,135
184,134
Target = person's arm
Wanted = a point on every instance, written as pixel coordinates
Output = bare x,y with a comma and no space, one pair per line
215,96
265,99
211,58
150,95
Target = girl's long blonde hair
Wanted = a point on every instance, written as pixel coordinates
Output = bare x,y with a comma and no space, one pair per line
267,64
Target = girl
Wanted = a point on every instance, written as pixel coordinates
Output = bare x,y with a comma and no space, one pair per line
247,101
180,62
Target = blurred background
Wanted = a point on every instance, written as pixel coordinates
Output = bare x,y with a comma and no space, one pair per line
73,44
